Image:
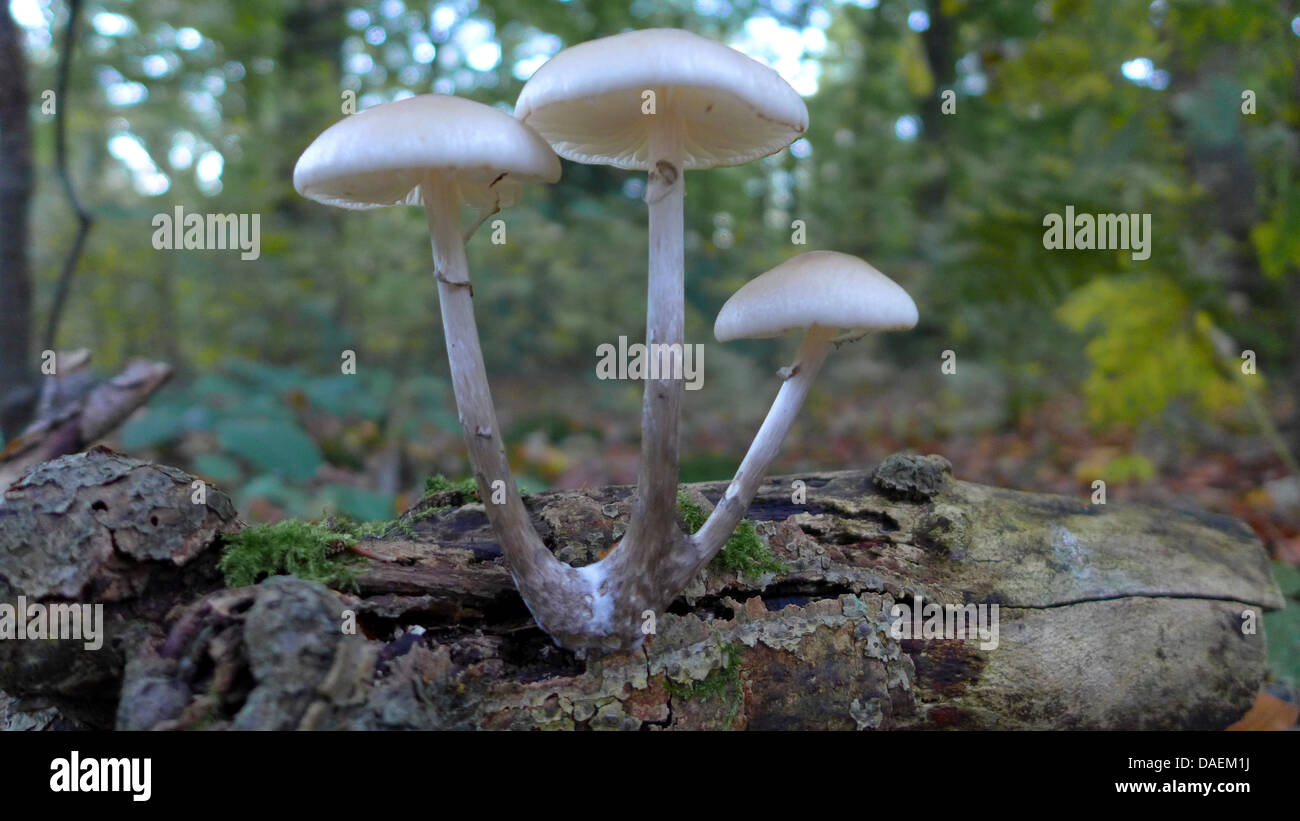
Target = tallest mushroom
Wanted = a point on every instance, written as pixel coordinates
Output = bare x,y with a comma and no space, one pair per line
663,101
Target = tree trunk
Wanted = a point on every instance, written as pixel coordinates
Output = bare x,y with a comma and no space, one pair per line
1109,616
17,376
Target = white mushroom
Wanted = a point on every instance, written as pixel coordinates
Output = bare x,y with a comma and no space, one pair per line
662,101
436,151
819,292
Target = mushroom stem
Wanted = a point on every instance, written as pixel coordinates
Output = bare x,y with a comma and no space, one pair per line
731,508
533,566
652,530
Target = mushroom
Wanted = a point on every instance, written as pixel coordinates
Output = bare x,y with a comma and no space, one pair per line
436,150
819,292
663,101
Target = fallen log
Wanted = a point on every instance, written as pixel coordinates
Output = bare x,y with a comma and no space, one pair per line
76,410
1108,616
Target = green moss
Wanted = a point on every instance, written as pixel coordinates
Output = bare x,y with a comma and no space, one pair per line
307,550
441,484
316,551
429,511
691,512
380,530
723,683
744,553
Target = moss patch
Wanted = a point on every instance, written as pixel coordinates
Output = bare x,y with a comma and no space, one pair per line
722,683
428,512
370,530
692,514
467,488
744,553
310,551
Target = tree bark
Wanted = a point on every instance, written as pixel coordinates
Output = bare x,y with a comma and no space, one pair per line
17,375
1110,616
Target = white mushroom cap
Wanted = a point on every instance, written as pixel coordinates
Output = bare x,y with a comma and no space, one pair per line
824,288
379,156
586,101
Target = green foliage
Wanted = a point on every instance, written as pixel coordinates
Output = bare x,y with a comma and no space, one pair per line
276,491
722,683
1131,467
1282,627
1149,350
263,426
706,467
272,445
304,549
217,467
1044,118
359,503
161,423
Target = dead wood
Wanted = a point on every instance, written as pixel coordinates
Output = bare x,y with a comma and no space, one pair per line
1110,616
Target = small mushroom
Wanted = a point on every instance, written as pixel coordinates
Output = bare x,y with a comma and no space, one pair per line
662,101
437,151
820,293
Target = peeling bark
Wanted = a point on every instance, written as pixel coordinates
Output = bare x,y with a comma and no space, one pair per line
1111,616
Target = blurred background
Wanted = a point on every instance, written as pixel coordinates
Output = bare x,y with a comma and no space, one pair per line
1071,366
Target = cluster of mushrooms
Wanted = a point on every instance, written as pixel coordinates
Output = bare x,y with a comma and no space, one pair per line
662,101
